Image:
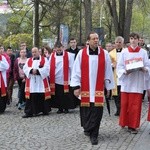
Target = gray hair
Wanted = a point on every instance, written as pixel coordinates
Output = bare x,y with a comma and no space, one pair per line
119,38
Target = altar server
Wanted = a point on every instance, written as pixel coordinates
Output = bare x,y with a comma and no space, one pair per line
132,83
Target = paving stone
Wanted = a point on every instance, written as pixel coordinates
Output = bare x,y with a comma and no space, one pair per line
63,132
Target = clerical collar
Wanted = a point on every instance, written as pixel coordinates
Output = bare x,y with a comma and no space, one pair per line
93,52
118,50
72,48
36,58
60,54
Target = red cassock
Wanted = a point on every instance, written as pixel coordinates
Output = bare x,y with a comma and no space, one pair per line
131,105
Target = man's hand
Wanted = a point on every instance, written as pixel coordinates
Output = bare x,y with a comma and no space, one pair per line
16,82
23,80
143,69
114,64
127,72
77,92
34,71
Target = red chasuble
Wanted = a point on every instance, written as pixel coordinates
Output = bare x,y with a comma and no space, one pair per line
99,93
45,81
3,88
65,70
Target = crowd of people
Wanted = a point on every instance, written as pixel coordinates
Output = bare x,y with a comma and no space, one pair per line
67,78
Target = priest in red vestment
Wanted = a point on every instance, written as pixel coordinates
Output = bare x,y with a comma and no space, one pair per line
37,89
92,72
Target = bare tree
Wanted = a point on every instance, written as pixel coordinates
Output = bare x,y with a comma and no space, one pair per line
88,16
121,19
36,24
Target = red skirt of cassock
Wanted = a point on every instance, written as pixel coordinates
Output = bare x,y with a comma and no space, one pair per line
130,114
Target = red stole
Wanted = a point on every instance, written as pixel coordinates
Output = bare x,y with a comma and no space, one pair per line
3,88
45,81
65,70
130,49
99,89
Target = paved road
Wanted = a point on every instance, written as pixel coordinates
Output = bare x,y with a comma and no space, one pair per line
63,131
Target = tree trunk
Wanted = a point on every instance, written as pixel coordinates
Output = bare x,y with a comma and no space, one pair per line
127,23
58,31
36,24
88,16
115,17
59,15
123,24
110,31
122,4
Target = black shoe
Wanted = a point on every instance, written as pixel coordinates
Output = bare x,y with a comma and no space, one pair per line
86,133
27,116
1,112
45,114
132,130
8,102
66,111
117,113
94,140
129,129
50,110
59,111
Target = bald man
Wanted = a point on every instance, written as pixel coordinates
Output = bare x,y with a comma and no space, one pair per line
37,89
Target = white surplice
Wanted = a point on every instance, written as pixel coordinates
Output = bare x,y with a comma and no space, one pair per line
147,80
93,68
59,73
135,81
36,81
4,66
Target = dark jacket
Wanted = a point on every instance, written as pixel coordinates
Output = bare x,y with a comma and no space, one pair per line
73,51
29,54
